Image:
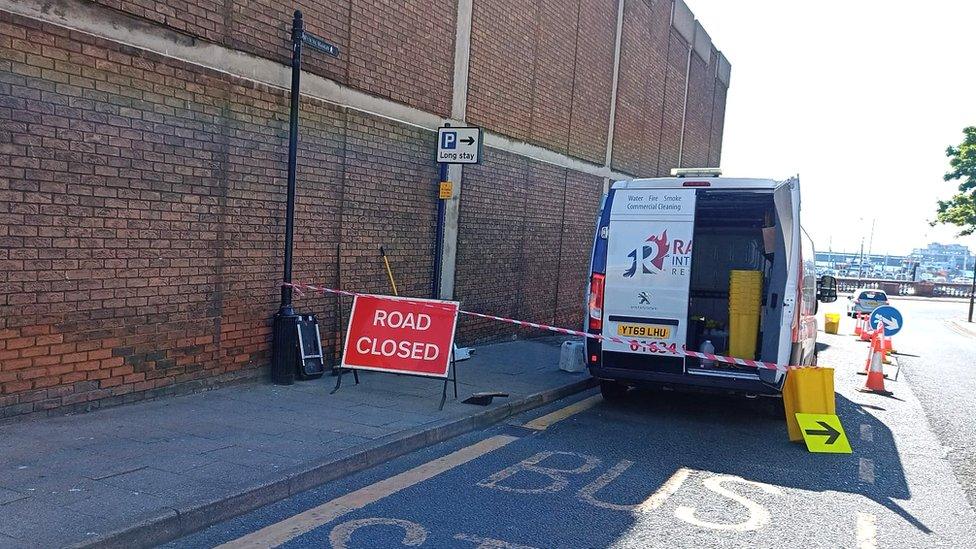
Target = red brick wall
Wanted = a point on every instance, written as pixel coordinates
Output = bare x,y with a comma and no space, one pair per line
404,50
552,94
205,18
640,87
388,199
708,108
542,219
141,213
630,124
398,49
718,124
263,27
142,199
542,71
525,231
698,114
489,255
502,66
674,96
581,202
594,73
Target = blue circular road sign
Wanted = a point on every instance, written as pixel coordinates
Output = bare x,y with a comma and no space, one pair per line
889,317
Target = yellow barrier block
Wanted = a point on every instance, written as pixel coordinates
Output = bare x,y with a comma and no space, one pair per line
807,391
831,323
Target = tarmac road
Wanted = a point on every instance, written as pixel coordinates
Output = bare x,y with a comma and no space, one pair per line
943,375
661,469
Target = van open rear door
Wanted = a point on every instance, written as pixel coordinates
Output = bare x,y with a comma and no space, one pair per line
787,200
648,272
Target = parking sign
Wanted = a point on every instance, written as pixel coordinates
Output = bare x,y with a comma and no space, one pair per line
458,145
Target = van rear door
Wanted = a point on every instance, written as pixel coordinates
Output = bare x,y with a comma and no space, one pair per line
648,269
787,199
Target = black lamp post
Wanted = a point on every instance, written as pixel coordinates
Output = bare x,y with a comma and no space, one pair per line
284,343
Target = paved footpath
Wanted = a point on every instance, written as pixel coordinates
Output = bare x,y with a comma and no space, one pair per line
659,470
149,472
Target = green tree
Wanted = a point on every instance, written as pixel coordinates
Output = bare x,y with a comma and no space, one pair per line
960,210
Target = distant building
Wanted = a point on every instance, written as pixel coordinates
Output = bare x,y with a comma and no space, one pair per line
944,256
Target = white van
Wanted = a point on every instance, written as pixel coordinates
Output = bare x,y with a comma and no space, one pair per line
662,257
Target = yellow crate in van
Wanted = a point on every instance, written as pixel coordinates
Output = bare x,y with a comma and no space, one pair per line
745,297
743,331
745,287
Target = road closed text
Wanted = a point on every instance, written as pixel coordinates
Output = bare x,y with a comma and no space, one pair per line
400,335
407,322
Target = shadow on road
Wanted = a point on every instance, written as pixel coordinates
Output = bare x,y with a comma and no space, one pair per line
744,438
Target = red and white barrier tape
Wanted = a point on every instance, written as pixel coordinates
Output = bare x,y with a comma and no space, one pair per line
635,344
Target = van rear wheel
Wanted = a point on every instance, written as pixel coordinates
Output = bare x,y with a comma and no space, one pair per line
612,390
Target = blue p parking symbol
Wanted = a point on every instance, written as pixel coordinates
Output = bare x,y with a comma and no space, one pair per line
449,140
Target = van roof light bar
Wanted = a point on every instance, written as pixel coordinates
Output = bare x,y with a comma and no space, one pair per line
696,172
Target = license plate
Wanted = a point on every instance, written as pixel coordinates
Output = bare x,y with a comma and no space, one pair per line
643,330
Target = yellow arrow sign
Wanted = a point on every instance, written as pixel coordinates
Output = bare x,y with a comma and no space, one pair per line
823,433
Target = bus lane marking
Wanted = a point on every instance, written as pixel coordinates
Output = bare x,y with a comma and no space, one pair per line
557,480
758,515
304,522
587,494
414,534
661,495
557,476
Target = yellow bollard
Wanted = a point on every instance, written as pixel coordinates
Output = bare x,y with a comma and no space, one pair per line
808,390
831,322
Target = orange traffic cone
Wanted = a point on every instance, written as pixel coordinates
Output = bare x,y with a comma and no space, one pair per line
867,331
883,345
858,325
875,381
867,361
887,345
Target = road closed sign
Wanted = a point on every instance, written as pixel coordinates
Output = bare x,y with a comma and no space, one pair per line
399,335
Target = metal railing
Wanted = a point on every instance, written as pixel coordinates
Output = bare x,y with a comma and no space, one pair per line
905,288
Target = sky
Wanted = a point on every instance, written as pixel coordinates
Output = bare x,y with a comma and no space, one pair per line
858,97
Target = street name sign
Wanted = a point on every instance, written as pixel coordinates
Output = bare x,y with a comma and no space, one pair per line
459,145
401,336
890,317
319,44
823,433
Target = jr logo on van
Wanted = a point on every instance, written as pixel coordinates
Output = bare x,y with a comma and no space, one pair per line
661,257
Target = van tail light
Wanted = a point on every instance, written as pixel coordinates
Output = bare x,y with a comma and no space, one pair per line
595,305
696,184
